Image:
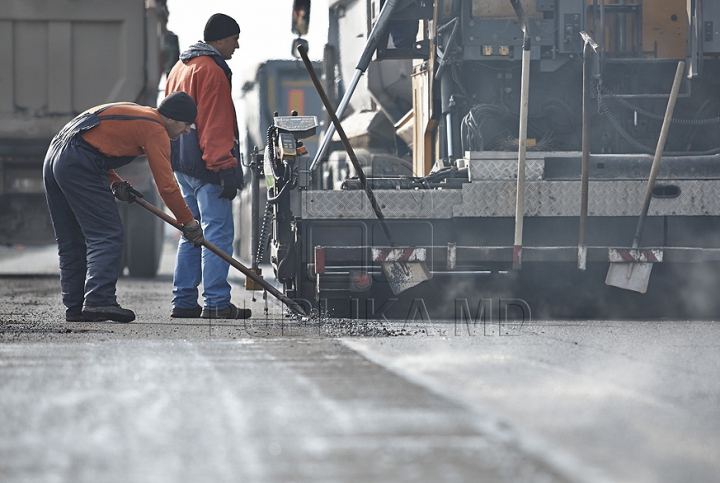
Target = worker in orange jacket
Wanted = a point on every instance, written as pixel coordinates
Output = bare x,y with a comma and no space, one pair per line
205,162
80,181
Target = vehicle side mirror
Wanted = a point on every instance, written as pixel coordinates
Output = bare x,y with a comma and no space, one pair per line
301,17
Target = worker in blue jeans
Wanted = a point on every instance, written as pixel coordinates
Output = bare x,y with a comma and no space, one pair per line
205,163
215,215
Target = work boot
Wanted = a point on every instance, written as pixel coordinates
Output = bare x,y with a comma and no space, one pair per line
180,313
229,312
108,312
79,318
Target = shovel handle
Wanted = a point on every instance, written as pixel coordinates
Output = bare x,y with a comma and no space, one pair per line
348,147
292,305
658,151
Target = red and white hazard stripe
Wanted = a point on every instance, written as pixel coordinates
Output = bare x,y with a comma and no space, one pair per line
629,256
399,254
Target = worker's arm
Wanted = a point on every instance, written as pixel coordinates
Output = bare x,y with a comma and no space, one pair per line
216,121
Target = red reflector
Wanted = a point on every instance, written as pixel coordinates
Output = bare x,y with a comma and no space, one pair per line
362,281
319,260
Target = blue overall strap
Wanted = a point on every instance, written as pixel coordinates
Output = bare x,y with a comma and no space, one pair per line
122,116
129,118
83,122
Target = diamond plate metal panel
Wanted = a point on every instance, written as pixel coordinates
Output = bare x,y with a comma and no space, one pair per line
606,198
497,199
335,204
500,165
405,204
504,169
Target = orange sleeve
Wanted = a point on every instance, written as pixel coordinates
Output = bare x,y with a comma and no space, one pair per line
157,149
216,120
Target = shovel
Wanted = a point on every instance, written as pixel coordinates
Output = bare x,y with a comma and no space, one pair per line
401,275
291,304
636,275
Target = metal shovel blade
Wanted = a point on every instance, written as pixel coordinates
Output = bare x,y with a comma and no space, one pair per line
404,275
629,276
636,275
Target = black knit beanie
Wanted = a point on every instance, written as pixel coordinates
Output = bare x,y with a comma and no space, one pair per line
220,26
178,106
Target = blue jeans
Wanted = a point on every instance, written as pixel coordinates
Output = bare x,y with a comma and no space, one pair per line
199,265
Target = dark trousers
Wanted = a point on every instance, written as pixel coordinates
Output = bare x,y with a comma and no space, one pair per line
87,224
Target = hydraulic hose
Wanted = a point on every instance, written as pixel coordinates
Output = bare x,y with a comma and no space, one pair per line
640,146
264,234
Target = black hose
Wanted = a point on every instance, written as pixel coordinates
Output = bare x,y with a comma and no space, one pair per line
660,117
283,262
271,135
270,139
640,146
285,179
605,110
471,136
264,234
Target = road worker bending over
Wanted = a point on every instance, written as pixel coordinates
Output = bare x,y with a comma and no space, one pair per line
81,186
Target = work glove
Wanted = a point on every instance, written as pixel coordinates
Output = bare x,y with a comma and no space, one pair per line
228,183
125,192
193,233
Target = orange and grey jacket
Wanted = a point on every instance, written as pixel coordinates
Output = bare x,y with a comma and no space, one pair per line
211,145
128,130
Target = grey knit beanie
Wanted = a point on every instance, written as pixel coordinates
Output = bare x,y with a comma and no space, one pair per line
220,26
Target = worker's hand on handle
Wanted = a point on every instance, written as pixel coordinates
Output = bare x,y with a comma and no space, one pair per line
125,192
193,232
228,184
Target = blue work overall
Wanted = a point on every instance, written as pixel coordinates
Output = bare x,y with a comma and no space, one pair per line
87,224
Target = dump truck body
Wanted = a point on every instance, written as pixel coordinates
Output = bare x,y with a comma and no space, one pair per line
61,58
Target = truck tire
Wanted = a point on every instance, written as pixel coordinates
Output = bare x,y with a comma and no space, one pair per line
144,237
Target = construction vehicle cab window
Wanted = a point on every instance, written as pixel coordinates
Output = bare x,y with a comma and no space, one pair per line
515,147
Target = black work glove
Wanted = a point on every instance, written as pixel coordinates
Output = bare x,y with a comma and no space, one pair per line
125,192
193,233
228,183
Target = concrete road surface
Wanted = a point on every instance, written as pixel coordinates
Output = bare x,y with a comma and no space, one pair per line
275,399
